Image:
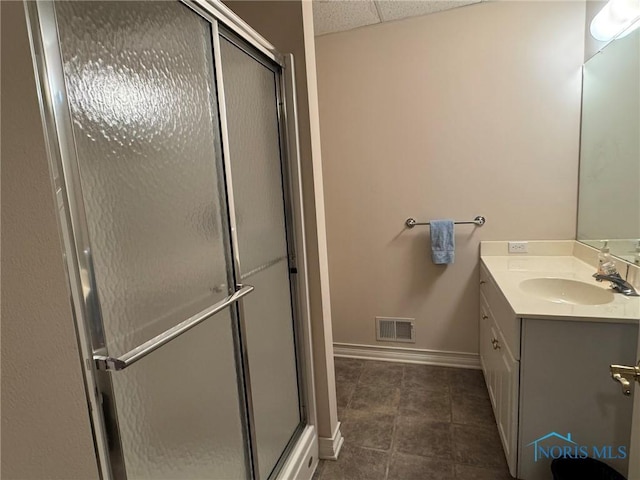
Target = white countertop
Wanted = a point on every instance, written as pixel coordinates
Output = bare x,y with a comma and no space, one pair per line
509,270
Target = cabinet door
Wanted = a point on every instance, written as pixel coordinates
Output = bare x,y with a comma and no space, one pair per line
506,411
501,372
487,353
495,387
566,387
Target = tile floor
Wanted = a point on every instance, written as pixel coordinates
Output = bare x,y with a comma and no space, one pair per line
405,422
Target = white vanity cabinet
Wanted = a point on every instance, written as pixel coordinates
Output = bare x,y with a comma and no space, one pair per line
550,376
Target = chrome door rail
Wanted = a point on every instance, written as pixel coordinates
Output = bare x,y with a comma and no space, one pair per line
57,127
131,357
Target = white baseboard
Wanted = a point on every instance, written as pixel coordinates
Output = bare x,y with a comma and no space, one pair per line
329,448
407,355
303,459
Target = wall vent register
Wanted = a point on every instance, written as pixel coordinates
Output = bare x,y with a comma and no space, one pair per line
395,330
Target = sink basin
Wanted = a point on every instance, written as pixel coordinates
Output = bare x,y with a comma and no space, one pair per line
562,290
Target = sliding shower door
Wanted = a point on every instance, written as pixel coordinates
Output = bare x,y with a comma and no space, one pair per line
251,97
171,152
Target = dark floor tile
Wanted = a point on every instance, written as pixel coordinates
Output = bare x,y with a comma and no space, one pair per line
382,373
376,397
464,381
466,472
478,445
420,402
472,410
427,376
342,413
411,467
348,370
344,392
416,400
417,436
368,429
318,472
355,463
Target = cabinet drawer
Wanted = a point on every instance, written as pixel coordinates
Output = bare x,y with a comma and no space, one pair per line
503,315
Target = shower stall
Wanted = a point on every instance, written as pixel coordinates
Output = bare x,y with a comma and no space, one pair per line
171,132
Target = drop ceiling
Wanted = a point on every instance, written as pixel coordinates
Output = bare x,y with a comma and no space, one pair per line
330,16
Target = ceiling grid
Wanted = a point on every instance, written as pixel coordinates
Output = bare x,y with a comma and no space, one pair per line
331,16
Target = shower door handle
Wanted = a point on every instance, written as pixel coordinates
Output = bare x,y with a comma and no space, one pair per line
141,351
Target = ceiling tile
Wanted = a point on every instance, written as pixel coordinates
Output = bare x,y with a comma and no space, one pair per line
397,9
339,15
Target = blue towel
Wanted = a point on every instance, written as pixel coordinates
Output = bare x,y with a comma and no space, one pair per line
442,242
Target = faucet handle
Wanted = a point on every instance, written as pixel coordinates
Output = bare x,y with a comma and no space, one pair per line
625,375
612,277
618,284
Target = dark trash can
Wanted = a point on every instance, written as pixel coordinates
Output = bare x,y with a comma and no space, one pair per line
582,469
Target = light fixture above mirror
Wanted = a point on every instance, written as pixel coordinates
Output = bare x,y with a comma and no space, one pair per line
617,19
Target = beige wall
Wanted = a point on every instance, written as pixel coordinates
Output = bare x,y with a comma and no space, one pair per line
288,26
471,111
45,425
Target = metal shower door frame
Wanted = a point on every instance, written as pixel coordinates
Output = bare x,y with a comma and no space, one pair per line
57,126
227,25
277,64
282,68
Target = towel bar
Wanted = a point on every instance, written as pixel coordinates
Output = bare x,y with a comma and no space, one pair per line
479,221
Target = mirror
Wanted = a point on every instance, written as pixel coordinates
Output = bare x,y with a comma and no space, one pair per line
609,199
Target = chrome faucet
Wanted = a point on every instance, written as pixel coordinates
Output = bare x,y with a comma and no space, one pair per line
617,283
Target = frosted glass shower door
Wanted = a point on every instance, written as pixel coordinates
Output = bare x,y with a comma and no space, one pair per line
141,89
251,97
